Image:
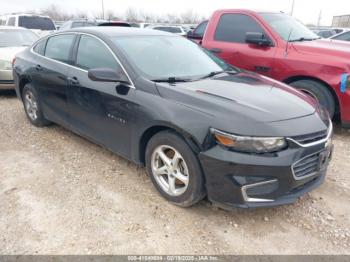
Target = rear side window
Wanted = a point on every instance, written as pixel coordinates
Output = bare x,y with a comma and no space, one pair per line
233,28
92,53
39,48
11,21
77,24
58,47
169,29
345,37
87,24
36,22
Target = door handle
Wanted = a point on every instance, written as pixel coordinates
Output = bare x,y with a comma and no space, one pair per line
215,50
38,68
73,80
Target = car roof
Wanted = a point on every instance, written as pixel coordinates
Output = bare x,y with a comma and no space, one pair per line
255,11
111,31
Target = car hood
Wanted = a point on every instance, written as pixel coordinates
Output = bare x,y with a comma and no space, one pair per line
8,53
241,97
324,46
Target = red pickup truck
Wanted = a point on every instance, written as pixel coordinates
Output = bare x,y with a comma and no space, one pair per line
280,47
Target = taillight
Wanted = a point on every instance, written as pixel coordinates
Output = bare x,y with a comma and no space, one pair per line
13,62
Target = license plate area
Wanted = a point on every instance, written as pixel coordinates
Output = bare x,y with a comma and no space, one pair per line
325,157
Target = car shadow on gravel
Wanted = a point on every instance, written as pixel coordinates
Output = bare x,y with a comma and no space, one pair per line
7,93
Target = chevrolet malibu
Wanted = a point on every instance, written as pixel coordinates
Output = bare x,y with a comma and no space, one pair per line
201,127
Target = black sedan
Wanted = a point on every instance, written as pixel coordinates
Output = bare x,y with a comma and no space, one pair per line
201,127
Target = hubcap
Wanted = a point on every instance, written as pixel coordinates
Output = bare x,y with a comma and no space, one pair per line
31,105
170,170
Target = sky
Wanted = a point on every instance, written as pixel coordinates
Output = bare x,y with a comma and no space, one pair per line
307,11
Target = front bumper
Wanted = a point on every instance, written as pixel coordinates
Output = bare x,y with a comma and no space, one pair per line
242,180
6,79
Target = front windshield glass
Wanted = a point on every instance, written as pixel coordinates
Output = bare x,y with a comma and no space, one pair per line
289,28
16,37
160,57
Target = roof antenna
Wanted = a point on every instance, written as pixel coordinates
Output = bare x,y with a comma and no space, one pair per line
287,45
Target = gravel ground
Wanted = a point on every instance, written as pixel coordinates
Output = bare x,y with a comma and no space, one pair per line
61,194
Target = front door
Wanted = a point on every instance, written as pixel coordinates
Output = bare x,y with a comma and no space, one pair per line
230,45
96,109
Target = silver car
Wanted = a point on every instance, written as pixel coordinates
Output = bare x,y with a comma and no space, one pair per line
12,41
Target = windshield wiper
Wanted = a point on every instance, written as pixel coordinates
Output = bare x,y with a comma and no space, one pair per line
212,74
172,80
302,39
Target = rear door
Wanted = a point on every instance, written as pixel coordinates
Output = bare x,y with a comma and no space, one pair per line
229,43
50,75
96,109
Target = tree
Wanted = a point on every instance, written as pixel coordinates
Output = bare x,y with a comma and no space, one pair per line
131,15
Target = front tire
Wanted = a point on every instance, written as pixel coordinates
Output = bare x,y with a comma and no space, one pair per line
174,169
32,106
319,92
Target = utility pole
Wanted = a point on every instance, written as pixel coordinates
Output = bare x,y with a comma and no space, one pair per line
103,10
319,18
291,13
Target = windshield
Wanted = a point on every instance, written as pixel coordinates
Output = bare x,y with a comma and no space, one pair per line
288,28
168,56
36,22
17,37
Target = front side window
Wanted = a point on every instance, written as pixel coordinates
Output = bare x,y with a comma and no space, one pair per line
92,53
17,37
234,27
167,56
289,28
58,47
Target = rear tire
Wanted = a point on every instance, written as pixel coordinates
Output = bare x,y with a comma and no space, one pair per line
32,106
318,91
174,169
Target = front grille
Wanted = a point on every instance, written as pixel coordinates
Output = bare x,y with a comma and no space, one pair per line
310,138
306,166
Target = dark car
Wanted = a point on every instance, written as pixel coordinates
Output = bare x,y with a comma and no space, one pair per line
324,33
201,127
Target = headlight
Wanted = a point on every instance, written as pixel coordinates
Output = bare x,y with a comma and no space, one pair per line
249,144
5,65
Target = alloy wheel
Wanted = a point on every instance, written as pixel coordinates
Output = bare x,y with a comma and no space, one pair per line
170,170
31,105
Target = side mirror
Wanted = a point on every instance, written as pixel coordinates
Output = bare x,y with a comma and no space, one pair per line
107,75
257,39
190,34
